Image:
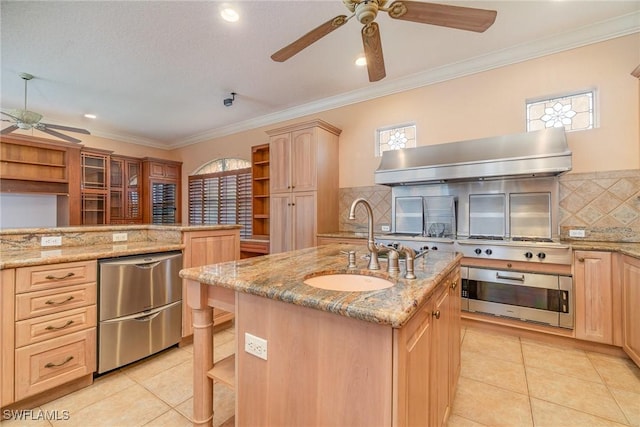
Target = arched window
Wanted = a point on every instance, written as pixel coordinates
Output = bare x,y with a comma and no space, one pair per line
220,193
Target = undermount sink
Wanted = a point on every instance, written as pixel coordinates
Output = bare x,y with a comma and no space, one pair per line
348,282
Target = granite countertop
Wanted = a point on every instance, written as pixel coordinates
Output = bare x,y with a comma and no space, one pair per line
626,248
53,255
281,276
22,247
631,249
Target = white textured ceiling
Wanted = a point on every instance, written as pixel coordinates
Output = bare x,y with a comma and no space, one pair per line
156,72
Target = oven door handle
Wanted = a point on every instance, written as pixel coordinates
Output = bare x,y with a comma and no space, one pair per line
501,276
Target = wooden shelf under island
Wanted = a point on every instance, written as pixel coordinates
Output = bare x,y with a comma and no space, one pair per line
385,357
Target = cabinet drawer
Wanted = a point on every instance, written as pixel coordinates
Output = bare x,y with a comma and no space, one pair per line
54,300
42,328
52,276
42,366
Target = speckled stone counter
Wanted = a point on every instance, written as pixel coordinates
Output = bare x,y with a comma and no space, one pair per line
22,247
281,277
631,249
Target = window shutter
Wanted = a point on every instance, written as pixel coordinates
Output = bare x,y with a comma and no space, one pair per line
221,198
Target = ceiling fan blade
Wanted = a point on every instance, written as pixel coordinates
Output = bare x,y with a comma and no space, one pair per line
7,114
67,128
8,129
60,135
462,18
373,51
309,38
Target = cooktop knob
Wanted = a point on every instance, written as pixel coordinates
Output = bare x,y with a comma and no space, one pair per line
528,255
542,255
478,251
488,252
434,248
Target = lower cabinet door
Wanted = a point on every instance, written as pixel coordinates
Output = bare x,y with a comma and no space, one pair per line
44,365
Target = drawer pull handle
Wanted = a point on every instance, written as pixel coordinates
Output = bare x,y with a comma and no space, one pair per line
55,365
436,314
581,259
55,328
66,276
51,302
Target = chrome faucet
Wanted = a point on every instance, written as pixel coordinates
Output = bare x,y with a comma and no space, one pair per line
371,245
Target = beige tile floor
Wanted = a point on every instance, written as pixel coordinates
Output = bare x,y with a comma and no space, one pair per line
504,381
509,381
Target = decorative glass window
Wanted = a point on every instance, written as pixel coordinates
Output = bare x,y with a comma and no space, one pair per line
220,193
395,138
573,112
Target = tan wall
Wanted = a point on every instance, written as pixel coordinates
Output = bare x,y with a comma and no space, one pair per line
485,104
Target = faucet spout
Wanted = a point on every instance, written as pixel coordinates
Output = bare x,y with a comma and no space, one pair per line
371,246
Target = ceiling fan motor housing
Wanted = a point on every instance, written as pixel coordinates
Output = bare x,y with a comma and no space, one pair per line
366,11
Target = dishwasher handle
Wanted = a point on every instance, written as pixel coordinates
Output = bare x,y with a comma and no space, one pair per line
144,316
148,265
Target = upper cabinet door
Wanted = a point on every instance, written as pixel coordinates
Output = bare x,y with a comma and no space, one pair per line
304,169
280,172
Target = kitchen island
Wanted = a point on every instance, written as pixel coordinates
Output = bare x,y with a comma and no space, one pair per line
385,357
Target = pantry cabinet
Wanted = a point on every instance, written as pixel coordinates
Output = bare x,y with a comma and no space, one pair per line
593,296
303,177
631,307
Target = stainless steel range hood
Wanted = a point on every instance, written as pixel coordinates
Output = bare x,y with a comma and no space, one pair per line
539,153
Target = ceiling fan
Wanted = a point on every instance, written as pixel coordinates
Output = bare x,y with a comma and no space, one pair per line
462,18
25,119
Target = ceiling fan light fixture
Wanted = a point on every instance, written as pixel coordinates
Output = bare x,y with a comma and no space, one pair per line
26,117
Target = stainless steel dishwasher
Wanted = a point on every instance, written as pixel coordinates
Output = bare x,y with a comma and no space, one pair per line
140,307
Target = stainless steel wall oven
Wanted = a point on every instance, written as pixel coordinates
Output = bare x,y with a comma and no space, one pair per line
532,297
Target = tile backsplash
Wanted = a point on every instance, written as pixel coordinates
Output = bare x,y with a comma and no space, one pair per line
606,205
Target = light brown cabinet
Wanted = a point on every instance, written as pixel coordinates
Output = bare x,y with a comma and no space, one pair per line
55,327
161,191
593,296
95,186
203,248
38,165
125,201
630,307
260,191
370,374
303,184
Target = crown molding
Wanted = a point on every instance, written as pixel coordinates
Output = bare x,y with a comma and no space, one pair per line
599,32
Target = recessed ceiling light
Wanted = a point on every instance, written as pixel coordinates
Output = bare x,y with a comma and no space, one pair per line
90,116
361,61
229,14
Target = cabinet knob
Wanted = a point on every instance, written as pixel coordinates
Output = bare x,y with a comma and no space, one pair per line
436,314
580,259
454,284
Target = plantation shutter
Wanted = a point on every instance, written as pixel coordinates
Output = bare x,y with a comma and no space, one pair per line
221,198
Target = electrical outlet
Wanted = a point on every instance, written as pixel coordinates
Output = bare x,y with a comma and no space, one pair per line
576,233
119,237
51,241
255,345
386,228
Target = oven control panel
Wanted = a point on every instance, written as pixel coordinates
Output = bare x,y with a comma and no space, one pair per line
547,253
